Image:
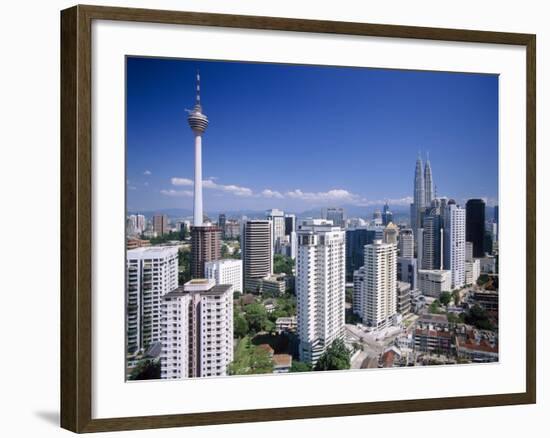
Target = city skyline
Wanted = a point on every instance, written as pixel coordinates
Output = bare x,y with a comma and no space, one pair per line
243,170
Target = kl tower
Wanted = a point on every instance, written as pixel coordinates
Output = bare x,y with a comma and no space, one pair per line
205,239
198,123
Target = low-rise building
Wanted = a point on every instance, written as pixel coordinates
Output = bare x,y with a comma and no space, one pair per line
432,282
488,299
285,324
433,336
136,242
282,363
476,345
274,284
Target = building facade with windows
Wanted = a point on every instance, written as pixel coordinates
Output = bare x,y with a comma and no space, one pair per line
197,330
226,271
375,286
320,287
151,273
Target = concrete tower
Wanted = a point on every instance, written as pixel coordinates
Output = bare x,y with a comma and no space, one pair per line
205,239
428,182
198,123
419,198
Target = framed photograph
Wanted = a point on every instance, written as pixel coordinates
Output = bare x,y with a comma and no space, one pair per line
270,219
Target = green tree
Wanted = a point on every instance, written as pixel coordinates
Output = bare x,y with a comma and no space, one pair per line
173,235
256,317
477,316
453,318
456,297
240,325
299,367
435,307
483,278
336,357
445,298
282,264
146,370
184,262
249,359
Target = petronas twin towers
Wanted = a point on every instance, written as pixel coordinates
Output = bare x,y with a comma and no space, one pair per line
423,192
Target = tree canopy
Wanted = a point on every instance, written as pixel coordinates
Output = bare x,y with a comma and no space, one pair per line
337,357
445,298
282,264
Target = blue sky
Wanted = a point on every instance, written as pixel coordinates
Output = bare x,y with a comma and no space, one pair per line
301,137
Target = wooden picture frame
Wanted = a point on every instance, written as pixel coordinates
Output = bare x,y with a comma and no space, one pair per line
76,218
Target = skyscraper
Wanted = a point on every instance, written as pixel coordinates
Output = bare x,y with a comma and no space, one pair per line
455,244
387,215
257,254
431,246
205,239
221,223
475,225
375,286
406,243
290,224
320,287
151,272
356,239
336,215
205,247
277,218
428,182
160,224
419,197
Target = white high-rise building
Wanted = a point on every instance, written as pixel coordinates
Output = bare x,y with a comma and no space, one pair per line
375,285
277,218
320,287
131,225
472,271
454,257
141,223
197,330
406,243
226,271
151,272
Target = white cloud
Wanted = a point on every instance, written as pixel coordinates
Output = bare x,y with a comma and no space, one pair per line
334,195
177,193
211,184
406,200
147,173
181,181
268,193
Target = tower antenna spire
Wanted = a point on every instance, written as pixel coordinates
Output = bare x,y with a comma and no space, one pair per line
198,87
